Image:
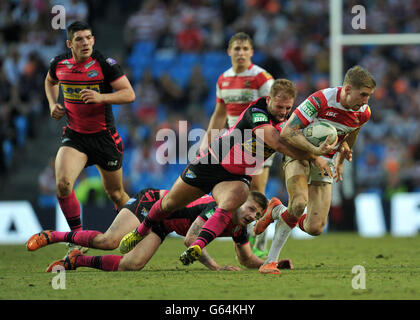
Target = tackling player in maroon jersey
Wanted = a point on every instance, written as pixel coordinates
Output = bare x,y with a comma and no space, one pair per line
236,88
90,85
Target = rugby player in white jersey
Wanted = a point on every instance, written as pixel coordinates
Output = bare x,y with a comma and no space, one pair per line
346,109
236,88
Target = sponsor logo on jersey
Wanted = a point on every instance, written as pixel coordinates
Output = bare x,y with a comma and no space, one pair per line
259,117
308,109
189,174
88,65
225,83
209,213
331,114
250,145
245,96
144,212
111,61
72,91
253,145
93,73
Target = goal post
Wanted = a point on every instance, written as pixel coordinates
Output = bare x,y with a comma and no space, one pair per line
337,41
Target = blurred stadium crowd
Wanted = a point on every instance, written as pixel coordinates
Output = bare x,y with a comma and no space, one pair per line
173,51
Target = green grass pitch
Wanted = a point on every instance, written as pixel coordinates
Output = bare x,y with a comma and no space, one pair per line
323,270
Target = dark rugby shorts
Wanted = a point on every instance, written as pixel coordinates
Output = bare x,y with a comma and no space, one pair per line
103,148
145,199
206,175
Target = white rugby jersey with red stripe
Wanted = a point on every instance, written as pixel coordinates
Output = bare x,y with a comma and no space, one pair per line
325,105
238,90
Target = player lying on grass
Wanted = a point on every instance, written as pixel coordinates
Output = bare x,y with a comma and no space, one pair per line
186,222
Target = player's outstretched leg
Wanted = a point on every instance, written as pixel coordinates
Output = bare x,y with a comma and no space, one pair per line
78,239
68,262
39,240
76,259
190,255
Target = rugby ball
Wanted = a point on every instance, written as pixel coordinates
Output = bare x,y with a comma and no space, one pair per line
317,132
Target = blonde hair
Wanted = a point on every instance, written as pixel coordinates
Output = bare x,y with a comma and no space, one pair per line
359,77
284,88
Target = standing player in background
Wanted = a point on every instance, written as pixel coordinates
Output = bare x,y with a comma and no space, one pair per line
90,85
236,88
346,109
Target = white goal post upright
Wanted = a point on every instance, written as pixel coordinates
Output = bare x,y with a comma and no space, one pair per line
337,41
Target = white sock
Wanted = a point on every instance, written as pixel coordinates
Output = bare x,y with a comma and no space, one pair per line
281,235
277,211
261,241
250,229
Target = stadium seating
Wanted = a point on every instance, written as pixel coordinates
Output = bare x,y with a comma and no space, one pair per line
308,67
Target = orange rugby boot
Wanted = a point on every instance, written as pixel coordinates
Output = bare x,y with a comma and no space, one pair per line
39,240
266,219
68,262
269,268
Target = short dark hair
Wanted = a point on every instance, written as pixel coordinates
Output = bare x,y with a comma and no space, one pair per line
76,26
259,198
